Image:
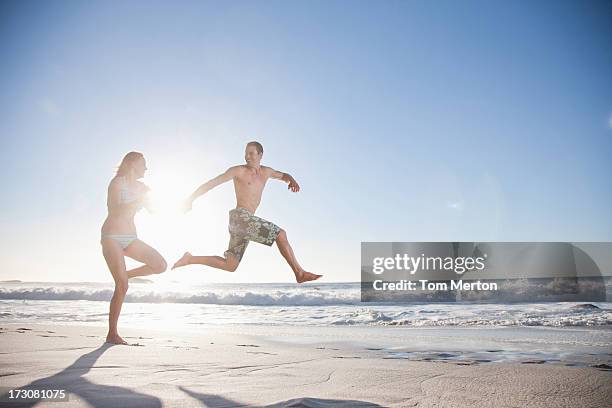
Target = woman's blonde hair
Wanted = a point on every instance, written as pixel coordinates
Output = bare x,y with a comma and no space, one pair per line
127,162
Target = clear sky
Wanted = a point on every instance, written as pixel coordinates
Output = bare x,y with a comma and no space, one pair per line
402,121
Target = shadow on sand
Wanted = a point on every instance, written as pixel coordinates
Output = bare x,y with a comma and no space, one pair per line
216,401
96,395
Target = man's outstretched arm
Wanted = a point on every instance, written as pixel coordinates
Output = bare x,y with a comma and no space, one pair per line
209,185
286,177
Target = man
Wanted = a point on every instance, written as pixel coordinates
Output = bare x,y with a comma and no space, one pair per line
244,226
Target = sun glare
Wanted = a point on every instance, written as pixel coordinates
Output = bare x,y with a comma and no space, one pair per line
171,230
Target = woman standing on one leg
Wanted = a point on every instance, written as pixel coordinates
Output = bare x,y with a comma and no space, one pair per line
126,196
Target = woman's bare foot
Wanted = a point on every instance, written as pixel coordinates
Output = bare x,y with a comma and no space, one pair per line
306,276
185,260
115,339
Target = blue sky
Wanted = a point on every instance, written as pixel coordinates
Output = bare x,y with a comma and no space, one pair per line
402,121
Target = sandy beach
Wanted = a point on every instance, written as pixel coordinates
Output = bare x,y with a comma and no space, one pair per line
287,366
306,204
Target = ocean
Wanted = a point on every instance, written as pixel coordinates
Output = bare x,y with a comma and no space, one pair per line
276,304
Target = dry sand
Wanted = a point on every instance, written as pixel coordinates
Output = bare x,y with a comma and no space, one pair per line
239,366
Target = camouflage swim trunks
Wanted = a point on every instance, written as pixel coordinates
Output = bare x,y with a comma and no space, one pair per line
245,227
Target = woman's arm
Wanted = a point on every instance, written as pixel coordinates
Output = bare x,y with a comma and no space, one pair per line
145,198
113,195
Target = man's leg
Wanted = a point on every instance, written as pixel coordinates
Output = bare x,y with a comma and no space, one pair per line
230,261
287,252
227,264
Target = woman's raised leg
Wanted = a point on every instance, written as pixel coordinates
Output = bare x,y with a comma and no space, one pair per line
153,262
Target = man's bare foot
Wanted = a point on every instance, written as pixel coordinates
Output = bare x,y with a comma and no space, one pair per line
183,261
115,339
307,276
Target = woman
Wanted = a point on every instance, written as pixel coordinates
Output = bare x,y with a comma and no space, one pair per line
126,196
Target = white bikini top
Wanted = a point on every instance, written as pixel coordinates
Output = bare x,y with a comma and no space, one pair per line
126,195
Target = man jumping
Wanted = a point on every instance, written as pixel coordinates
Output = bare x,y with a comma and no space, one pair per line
244,226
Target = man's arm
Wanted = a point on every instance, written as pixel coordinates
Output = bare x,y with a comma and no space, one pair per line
286,177
210,184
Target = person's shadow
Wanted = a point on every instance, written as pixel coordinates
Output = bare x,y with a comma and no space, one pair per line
71,380
216,401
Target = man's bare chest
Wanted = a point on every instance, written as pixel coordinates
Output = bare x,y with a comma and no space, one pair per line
251,182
